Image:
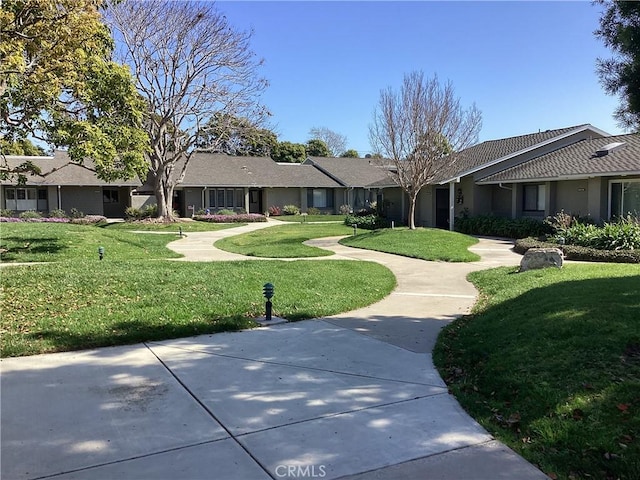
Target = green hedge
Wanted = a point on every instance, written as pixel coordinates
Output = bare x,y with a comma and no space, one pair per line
577,252
366,222
492,226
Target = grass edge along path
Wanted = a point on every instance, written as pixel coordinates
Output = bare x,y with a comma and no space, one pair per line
431,244
549,363
88,304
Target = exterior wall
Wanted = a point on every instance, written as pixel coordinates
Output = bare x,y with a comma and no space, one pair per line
141,201
193,200
572,196
116,209
86,199
281,197
426,207
500,200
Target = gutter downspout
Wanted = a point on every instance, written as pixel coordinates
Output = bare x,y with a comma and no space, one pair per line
59,197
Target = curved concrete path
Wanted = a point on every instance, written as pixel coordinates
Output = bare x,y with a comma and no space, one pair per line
351,396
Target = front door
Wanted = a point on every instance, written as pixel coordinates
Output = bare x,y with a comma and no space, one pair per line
255,201
442,208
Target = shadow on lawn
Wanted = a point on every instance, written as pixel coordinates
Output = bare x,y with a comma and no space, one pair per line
19,248
555,373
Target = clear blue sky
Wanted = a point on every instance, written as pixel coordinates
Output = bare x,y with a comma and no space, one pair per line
527,66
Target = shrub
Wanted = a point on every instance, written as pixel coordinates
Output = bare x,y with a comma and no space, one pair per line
225,211
366,222
345,209
150,211
75,213
236,218
576,252
313,211
621,235
57,213
6,213
493,226
200,211
275,211
10,219
132,213
291,210
30,214
89,220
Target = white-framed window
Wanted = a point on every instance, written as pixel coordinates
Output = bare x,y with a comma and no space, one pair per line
110,195
21,198
534,198
624,197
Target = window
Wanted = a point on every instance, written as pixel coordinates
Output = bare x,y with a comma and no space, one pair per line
625,198
320,198
42,194
10,194
226,198
534,198
110,196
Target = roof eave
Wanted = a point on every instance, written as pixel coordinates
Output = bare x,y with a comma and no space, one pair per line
526,150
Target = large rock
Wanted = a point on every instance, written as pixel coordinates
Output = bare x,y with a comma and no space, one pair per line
536,258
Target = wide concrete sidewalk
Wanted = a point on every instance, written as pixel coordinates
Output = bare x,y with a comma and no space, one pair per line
351,396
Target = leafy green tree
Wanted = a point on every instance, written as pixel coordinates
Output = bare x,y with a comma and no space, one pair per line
350,154
289,152
58,84
317,148
620,31
190,65
236,136
21,147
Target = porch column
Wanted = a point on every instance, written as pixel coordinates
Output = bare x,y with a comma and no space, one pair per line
514,200
246,199
452,205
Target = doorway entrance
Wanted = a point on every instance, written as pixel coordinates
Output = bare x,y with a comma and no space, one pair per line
442,208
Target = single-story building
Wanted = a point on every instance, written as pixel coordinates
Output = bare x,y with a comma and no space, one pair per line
581,170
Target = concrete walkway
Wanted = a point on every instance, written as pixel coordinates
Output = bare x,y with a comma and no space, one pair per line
350,396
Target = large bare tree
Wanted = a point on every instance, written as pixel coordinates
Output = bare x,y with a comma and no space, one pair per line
336,142
190,66
420,129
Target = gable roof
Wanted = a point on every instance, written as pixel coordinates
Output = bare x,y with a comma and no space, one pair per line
492,152
60,170
578,160
207,169
353,172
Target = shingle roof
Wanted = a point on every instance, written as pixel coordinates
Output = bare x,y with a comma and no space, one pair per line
354,172
60,170
577,160
206,169
488,152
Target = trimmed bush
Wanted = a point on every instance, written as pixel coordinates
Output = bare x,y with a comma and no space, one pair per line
57,213
291,210
314,211
5,212
576,252
30,215
345,209
235,218
366,222
225,211
492,226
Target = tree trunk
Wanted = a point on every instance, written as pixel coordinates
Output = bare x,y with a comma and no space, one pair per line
412,211
164,198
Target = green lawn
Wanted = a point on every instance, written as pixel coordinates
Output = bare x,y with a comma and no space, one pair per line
424,243
283,241
549,363
310,218
172,227
135,294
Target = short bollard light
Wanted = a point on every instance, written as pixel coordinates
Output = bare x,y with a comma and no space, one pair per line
267,291
180,230
100,253
355,228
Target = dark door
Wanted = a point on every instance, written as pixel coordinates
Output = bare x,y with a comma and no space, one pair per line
442,208
255,201
178,202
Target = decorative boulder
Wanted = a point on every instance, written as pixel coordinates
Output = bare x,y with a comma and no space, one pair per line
536,258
